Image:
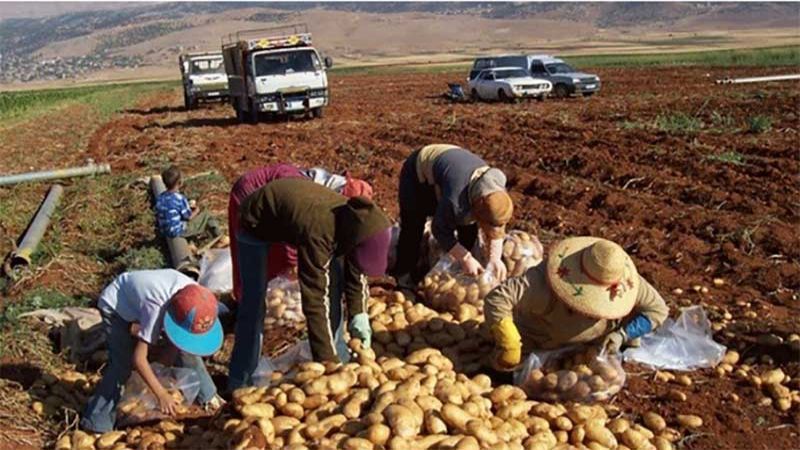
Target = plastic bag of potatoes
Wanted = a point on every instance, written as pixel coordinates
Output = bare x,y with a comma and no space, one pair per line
284,306
521,251
138,404
446,287
571,374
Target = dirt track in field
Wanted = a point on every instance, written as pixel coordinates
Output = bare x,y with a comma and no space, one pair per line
685,209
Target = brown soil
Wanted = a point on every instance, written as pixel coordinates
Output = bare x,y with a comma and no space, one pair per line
581,166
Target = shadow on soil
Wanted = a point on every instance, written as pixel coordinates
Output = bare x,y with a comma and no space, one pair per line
24,374
158,110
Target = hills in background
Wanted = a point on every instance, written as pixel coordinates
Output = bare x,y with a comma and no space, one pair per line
56,41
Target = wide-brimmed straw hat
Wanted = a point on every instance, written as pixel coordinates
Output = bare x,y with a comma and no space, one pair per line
594,277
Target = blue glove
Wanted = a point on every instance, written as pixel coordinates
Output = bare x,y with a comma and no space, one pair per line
360,328
639,326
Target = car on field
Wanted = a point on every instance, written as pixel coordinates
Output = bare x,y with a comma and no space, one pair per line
203,77
566,80
507,84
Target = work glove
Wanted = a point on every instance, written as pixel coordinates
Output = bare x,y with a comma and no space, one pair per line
612,342
360,328
509,344
496,266
469,264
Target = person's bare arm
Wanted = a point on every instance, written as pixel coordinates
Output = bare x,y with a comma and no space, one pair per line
140,363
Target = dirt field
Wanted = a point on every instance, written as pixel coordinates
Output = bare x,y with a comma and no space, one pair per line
679,171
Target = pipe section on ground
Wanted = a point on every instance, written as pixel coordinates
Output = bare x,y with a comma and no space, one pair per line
179,253
21,257
758,79
90,169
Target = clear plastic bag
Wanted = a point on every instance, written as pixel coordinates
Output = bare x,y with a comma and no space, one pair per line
297,353
580,374
216,271
284,305
521,251
447,288
683,344
139,404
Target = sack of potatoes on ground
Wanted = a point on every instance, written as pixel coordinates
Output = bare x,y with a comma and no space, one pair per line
139,404
572,374
446,287
284,307
521,251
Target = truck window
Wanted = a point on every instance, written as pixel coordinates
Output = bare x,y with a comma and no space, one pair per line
291,61
559,68
537,67
204,66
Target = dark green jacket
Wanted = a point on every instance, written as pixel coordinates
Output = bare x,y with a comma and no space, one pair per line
322,225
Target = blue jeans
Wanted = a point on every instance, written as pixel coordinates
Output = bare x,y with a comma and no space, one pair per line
249,329
101,411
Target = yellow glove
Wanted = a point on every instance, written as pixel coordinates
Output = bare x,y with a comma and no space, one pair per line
507,338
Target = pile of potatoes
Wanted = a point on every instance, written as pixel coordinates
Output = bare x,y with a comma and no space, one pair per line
418,402
521,251
142,406
444,290
165,434
583,376
401,327
60,390
284,306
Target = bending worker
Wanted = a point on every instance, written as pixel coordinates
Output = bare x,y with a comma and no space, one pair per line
463,194
281,257
586,290
338,241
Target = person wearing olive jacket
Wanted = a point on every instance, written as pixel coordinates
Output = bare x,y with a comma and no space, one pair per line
586,290
463,194
335,237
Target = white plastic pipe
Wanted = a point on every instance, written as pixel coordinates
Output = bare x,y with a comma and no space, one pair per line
758,79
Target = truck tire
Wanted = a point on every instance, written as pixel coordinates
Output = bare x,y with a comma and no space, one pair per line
239,113
475,96
561,91
317,113
252,116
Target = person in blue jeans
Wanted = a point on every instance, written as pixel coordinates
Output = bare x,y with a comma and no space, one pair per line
135,308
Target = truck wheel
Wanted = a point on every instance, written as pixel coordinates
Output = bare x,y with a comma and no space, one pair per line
561,91
588,94
501,96
316,113
252,117
474,95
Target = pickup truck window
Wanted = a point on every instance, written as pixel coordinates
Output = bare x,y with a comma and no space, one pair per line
204,66
559,68
282,63
537,67
510,73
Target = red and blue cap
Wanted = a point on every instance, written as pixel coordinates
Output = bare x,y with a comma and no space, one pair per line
191,321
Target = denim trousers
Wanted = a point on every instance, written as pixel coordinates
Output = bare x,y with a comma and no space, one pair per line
249,329
101,411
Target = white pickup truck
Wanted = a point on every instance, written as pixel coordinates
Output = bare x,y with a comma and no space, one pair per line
275,71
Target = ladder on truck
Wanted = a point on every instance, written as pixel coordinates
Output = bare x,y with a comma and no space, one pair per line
293,35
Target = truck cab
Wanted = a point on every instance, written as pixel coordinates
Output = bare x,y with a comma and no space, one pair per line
278,74
203,77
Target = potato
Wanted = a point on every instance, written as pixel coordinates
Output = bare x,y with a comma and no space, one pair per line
107,440
401,420
325,426
690,420
634,439
378,434
654,422
355,443
258,411
455,417
596,431
485,435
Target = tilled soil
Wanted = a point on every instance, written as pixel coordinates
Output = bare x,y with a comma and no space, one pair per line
721,202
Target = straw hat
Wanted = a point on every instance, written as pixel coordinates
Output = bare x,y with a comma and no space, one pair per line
593,276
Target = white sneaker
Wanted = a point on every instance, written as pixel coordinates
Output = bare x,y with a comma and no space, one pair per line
214,404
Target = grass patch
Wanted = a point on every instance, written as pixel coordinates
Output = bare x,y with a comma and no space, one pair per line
678,123
763,57
107,98
759,124
202,186
723,123
142,258
729,157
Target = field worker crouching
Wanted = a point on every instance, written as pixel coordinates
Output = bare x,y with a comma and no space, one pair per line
586,290
282,257
338,241
463,194
152,300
